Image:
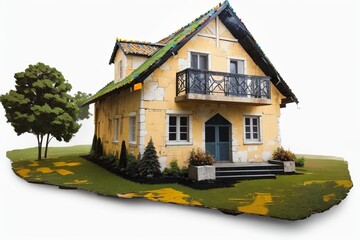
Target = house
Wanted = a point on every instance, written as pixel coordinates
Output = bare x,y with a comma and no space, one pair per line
208,85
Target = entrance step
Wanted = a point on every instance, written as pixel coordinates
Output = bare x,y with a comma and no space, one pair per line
247,170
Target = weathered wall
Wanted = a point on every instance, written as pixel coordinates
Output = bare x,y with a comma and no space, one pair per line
156,100
159,93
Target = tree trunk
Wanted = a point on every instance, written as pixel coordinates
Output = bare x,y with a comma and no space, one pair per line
46,145
39,140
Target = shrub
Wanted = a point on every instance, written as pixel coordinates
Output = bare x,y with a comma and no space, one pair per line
108,161
173,171
149,166
123,157
283,155
300,162
201,158
132,165
93,147
99,148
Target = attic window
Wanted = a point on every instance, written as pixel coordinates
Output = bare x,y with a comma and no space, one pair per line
121,69
237,66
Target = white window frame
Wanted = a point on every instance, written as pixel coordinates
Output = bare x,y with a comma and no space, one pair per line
259,132
116,129
178,114
132,129
200,53
237,59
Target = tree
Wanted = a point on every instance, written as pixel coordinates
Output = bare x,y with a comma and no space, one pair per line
80,98
149,165
123,157
41,105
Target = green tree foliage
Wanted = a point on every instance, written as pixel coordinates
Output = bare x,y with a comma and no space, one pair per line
149,165
123,157
80,98
41,105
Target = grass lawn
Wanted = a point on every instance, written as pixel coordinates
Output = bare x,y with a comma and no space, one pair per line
323,183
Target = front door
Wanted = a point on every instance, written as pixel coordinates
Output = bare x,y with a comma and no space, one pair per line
217,138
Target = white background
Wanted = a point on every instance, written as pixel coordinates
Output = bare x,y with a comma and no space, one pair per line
313,44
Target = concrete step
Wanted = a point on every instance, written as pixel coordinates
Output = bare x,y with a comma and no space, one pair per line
247,172
245,177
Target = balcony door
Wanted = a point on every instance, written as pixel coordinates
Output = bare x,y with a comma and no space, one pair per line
218,138
198,83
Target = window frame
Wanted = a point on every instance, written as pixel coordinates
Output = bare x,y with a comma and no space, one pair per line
252,140
237,60
199,53
121,70
132,129
178,132
116,129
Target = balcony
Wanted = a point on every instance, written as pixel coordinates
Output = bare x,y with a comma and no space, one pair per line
194,84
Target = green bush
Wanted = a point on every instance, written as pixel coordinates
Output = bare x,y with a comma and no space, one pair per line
173,171
93,147
99,148
201,158
283,155
132,165
108,161
149,166
123,157
300,162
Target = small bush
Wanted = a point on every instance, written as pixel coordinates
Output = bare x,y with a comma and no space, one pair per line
149,166
200,158
108,161
93,147
123,157
132,165
99,148
173,171
283,155
300,162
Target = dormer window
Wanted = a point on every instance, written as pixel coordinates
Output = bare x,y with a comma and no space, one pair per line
121,70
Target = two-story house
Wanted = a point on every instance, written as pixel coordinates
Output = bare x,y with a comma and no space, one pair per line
208,85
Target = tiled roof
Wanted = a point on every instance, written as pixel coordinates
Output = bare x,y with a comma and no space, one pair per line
138,48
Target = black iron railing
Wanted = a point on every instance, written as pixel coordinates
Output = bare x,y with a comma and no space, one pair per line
221,83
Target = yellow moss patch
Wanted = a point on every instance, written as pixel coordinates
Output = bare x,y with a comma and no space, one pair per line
344,183
24,172
78,182
127,195
167,195
258,205
34,164
195,203
66,164
314,182
63,172
329,197
44,170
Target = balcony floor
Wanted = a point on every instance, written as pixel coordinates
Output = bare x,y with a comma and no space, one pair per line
222,98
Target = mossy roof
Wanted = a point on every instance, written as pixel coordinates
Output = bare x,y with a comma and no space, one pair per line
172,43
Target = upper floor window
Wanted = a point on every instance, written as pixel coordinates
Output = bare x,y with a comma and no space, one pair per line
237,66
199,61
121,70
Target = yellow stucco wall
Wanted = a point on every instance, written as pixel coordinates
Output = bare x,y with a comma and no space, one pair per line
156,100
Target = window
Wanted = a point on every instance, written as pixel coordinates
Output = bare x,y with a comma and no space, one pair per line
116,129
178,128
199,61
252,129
121,70
132,129
237,66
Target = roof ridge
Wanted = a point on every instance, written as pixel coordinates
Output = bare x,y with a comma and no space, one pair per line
167,38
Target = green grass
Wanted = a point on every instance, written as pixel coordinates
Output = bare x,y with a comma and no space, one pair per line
53,152
322,184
